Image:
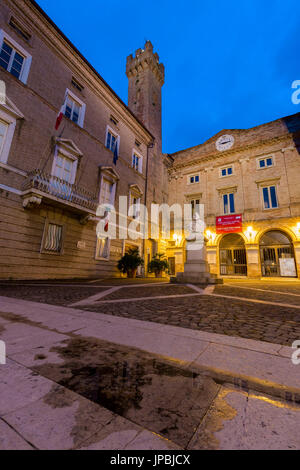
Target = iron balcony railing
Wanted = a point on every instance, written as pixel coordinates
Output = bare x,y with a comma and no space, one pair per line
60,189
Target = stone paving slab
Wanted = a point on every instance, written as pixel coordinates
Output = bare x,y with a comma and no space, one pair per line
20,386
248,421
115,436
176,347
54,321
10,440
20,337
149,441
265,367
122,434
40,355
60,420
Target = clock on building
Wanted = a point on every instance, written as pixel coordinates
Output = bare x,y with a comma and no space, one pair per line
225,142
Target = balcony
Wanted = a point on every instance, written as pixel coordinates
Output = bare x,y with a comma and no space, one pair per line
40,186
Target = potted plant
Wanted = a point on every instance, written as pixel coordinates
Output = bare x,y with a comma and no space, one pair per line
158,265
129,263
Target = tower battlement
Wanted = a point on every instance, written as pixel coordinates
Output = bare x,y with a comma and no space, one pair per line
145,59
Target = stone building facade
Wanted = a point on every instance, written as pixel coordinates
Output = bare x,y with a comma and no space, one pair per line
249,177
52,180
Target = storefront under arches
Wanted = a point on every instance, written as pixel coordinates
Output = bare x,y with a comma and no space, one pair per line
277,255
233,258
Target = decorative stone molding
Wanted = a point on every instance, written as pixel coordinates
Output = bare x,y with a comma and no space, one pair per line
268,181
32,202
228,189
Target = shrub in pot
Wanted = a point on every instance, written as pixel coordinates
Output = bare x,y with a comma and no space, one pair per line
158,265
130,262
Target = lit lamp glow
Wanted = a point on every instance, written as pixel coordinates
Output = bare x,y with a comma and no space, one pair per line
250,233
210,236
177,239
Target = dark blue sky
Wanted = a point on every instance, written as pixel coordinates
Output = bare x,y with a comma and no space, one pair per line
229,64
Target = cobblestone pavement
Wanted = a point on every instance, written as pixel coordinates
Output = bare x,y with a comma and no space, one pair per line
233,317
292,287
55,295
268,295
245,319
134,292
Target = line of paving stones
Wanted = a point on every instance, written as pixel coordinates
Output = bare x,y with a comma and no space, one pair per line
268,296
135,292
285,287
55,295
216,315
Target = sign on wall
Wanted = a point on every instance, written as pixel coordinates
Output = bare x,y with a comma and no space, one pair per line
287,267
229,223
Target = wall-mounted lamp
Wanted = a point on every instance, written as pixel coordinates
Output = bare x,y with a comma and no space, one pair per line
177,239
210,236
250,233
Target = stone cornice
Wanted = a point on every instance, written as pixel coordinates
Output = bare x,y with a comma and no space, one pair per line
78,65
218,156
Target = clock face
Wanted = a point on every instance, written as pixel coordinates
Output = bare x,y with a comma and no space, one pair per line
225,142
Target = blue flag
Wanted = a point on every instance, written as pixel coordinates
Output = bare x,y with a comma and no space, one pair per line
116,156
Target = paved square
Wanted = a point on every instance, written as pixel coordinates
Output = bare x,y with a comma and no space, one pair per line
147,366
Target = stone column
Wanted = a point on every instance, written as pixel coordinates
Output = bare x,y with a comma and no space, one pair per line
297,256
253,261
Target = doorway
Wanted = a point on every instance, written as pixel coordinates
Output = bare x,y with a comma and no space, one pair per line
233,258
277,255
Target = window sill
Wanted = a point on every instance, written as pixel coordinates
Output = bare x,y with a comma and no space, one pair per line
226,176
98,258
55,253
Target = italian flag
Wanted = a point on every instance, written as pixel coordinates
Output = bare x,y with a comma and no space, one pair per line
60,115
106,221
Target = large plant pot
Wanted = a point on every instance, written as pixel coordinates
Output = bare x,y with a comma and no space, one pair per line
158,274
131,273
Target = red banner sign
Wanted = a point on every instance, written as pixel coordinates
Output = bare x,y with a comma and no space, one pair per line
229,223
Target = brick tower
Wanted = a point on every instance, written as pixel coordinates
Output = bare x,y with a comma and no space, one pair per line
146,77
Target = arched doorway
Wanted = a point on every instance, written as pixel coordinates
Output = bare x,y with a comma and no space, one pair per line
233,259
277,255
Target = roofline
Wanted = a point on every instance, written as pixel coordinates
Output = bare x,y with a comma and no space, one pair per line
230,130
44,14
